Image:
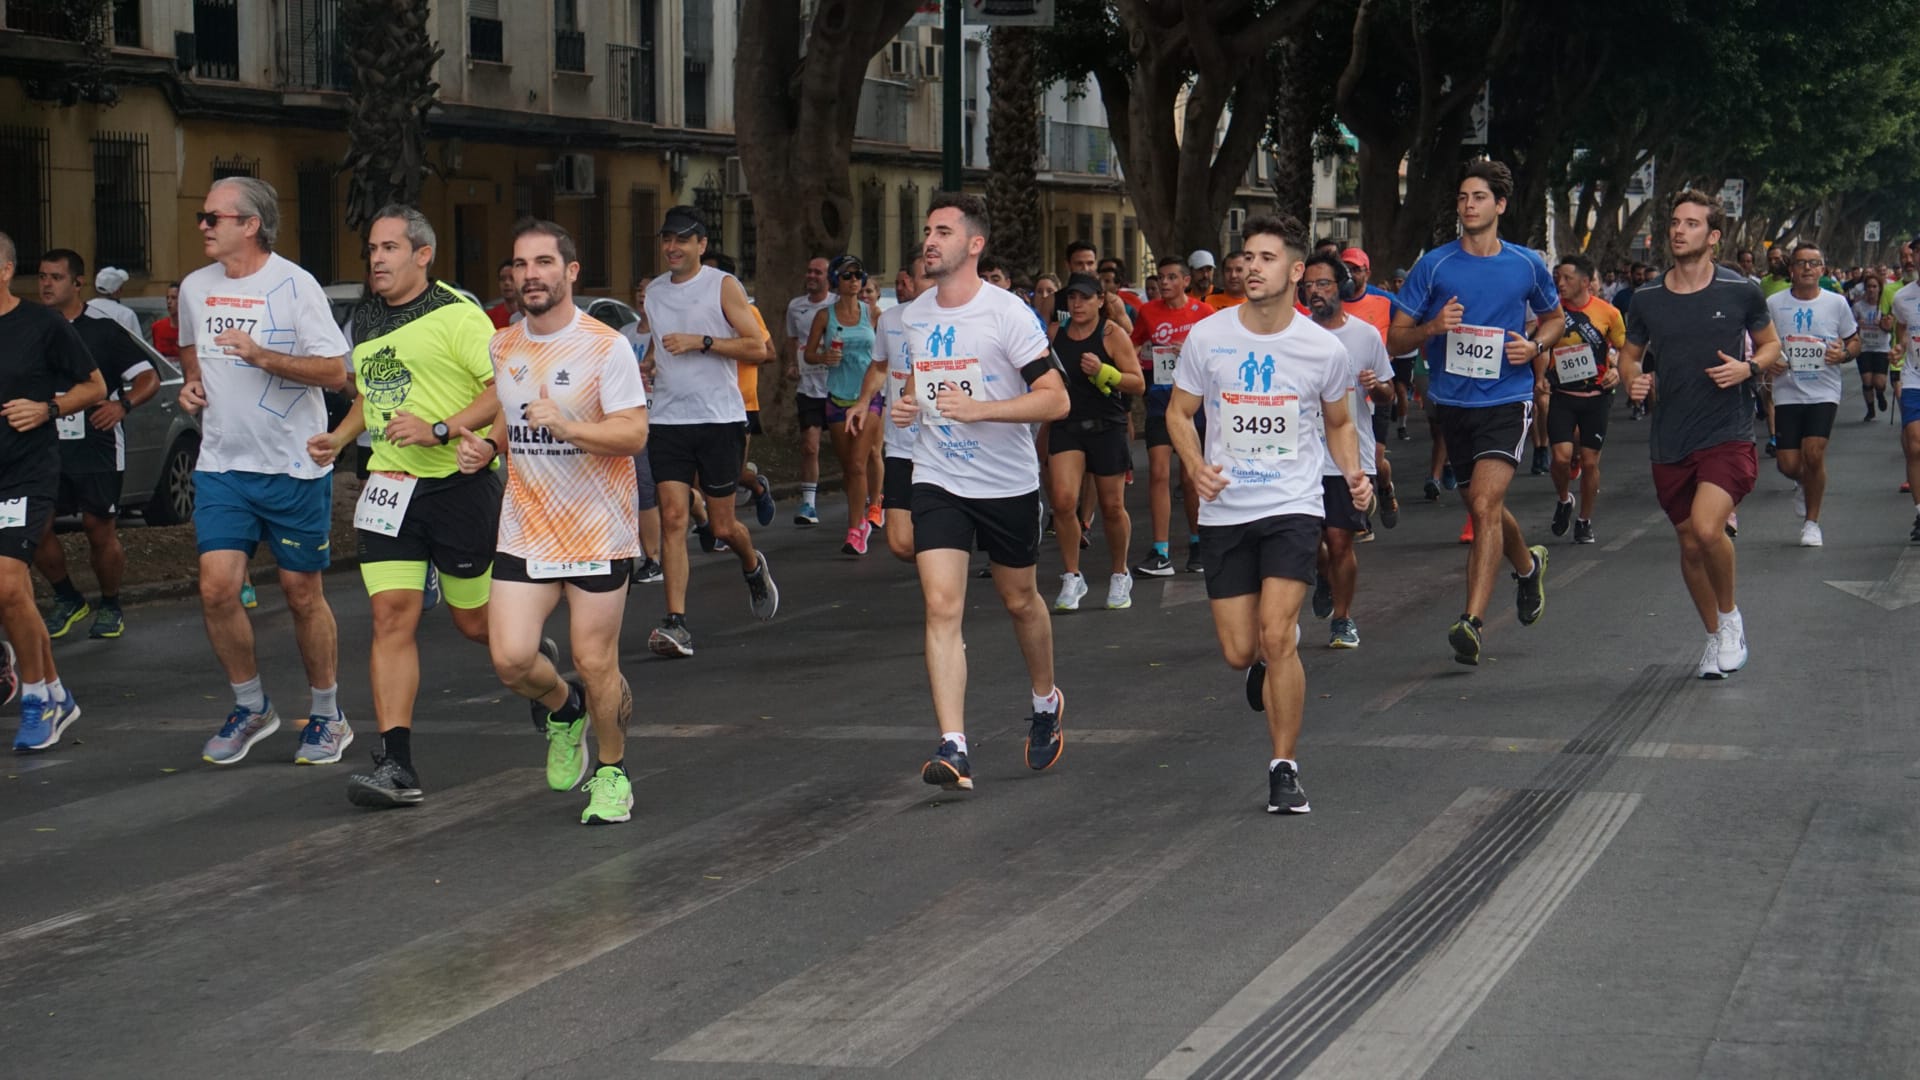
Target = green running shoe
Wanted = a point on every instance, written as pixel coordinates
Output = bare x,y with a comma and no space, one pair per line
566,753
609,797
66,615
108,622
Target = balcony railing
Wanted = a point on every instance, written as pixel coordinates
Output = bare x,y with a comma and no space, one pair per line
1079,148
313,54
216,29
570,50
53,19
486,39
884,107
630,83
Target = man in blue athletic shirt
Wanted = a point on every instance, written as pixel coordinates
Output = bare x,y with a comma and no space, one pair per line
1466,304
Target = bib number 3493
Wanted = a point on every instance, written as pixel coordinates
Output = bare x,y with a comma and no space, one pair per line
961,373
1260,425
1475,352
383,502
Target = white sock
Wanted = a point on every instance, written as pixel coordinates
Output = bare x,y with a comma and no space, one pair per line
1731,617
1048,702
55,691
958,739
35,690
249,696
809,493
1279,761
1568,501
324,703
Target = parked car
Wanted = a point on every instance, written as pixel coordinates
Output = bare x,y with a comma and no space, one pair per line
163,445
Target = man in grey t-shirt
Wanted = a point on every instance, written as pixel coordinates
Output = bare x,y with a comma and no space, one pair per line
1698,318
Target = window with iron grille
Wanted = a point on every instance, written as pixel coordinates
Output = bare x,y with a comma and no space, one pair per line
749,241
533,196
696,91
224,168
486,34
644,234
707,200
216,32
121,189
871,195
313,54
26,187
1083,227
318,239
569,40
912,227
126,23
590,240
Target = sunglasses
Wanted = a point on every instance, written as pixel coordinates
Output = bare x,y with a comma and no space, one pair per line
213,220
850,275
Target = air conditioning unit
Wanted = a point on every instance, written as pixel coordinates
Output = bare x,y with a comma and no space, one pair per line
573,175
1236,221
900,58
1337,228
736,178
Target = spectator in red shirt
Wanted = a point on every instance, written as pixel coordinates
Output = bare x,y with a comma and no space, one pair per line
165,333
503,312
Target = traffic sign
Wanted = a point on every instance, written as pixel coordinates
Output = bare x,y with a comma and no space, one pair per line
1873,232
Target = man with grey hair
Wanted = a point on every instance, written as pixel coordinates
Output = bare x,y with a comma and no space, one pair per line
421,363
258,344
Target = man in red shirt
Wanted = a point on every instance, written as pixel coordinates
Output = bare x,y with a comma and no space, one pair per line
1158,333
165,333
503,312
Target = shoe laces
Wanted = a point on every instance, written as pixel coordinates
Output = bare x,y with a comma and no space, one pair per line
240,715
315,732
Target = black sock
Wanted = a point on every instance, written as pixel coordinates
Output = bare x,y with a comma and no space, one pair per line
110,601
64,590
575,704
598,765
397,743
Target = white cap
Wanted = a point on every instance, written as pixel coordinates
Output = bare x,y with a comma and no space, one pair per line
1200,258
110,280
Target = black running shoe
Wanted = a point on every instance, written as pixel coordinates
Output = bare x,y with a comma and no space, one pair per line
1914,536
948,768
1530,592
1194,565
1562,516
1322,596
388,785
1464,636
1389,508
1046,737
1284,793
1257,686
1156,565
1539,461
1582,531
648,571
707,539
1432,490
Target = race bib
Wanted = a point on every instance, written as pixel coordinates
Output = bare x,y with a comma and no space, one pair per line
383,502
1260,425
223,313
896,385
13,514
547,569
71,427
1575,363
1805,355
1874,339
962,373
1913,345
1474,352
1165,359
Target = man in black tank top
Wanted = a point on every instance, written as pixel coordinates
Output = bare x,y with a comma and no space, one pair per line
1102,368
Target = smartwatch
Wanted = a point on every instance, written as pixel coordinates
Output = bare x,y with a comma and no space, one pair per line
1753,370
53,410
706,342
441,432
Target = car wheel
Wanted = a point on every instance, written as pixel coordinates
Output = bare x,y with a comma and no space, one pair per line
173,499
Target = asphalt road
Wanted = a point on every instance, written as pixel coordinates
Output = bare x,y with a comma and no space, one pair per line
1572,861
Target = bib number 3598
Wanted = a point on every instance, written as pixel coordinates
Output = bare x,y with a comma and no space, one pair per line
960,373
383,502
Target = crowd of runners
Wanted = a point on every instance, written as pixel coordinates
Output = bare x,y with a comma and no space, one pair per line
539,455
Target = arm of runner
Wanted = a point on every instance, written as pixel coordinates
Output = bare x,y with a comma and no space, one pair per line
480,412
816,349
870,384
1551,328
193,393
326,372
1045,400
1406,334
111,412
1639,384
326,446
1126,358
1117,314
746,343
621,433
1343,442
476,453
25,414
1209,480
906,408
1766,349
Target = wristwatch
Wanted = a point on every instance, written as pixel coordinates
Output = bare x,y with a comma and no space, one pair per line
706,342
441,432
53,410
1753,370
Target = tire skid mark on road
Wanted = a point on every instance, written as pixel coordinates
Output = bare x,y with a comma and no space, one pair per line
1448,903
443,979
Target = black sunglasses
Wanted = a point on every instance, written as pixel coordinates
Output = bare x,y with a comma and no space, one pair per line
850,275
212,220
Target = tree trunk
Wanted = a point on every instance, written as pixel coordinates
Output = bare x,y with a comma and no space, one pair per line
1380,202
794,117
393,88
1013,149
1294,109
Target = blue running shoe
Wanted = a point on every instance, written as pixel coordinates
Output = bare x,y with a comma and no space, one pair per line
948,768
430,594
242,728
1447,479
42,723
322,741
763,507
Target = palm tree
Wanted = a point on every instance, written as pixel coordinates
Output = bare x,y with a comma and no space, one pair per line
1013,148
392,57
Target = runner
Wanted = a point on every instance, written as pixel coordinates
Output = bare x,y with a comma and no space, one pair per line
702,326
1374,306
983,373
46,374
1580,378
1466,303
758,488
1697,319
93,454
108,283
1233,285
810,399
421,366
888,373
1367,377
1161,329
1091,440
1906,317
1261,482
1200,274
1817,333
841,342
1875,344
572,413
258,343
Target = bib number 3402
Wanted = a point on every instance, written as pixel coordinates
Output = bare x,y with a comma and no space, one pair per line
1475,352
383,502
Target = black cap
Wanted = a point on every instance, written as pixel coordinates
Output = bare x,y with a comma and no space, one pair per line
683,221
1084,284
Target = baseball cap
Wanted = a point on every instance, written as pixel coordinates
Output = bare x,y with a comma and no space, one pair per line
1356,257
683,221
110,279
1084,284
1199,259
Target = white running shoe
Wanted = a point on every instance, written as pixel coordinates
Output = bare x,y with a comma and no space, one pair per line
1733,643
1810,534
1710,660
1799,500
1072,588
1119,592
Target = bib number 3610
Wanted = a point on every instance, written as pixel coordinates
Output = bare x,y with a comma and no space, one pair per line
383,502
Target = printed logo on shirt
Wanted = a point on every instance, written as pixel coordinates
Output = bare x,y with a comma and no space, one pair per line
518,371
939,341
561,378
1802,320
388,380
1256,371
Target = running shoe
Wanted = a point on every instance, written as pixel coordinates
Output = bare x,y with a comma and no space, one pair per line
1880,395
1365,535
1322,596
108,623
671,638
1710,660
1389,509
948,768
1733,643
1912,538
704,531
430,593
762,594
1733,526
66,614
1045,735
1582,531
322,741
1530,594
609,797
1464,636
1049,530
1773,445
1284,793
1540,467
1073,588
1447,479
1810,534
985,573
648,571
876,517
1257,686
1431,490
551,651
1086,535
857,539
1403,433
1562,517
763,502
1869,418
1906,487
1194,565
43,722
10,672
1119,592
389,784
1799,500
566,753
1345,635
807,515
1466,532
243,728
248,598
1157,565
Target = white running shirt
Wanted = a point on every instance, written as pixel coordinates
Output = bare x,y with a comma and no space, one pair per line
800,312
1367,353
981,345
890,344
1809,325
693,387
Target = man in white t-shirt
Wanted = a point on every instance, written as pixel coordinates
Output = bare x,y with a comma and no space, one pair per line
1817,333
983,375
1266,380
810,399
1369,381
890,370
108,283
258,344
